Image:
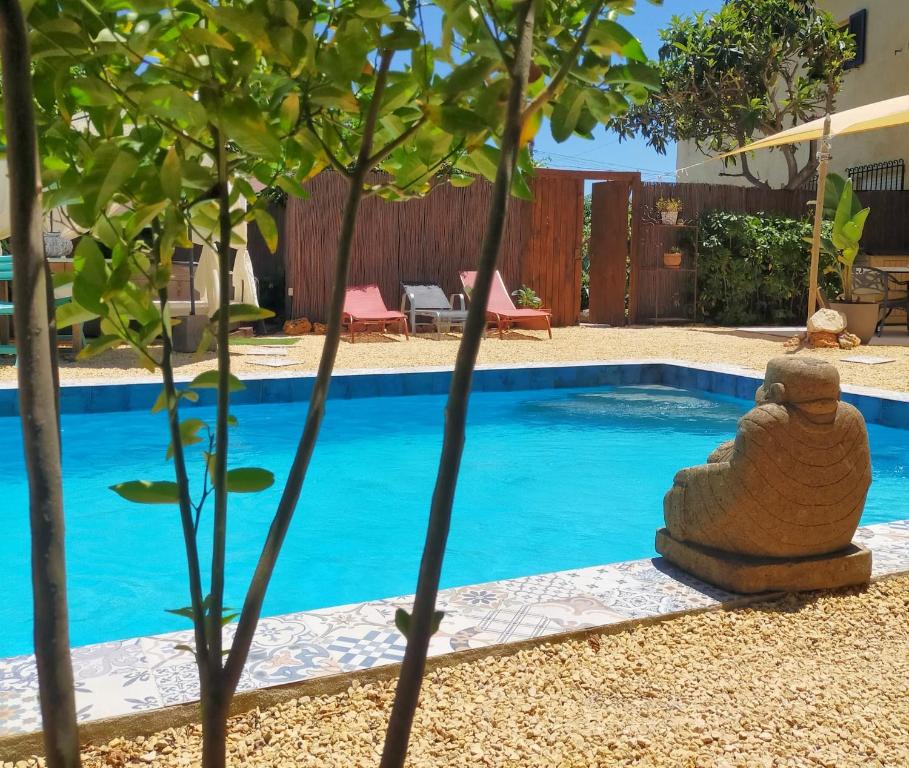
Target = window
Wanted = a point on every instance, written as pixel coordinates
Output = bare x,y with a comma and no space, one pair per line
858,25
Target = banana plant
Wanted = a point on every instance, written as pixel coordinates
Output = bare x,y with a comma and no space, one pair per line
843,238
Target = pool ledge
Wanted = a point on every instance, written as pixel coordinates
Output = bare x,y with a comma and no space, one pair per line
145,684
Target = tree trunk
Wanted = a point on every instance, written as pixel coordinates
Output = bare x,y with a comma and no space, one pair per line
214,727
255,596
412,669
38,401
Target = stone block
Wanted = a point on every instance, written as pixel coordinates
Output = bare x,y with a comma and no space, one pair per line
751,575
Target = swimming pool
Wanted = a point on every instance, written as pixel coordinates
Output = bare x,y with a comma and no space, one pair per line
552,479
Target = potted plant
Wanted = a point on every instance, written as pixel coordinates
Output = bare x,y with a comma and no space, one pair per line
843,245
672,259
526,298
669,209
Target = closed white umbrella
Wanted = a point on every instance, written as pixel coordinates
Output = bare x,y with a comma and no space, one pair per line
207,279
244,280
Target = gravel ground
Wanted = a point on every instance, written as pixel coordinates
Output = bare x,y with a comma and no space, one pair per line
568,344
812,680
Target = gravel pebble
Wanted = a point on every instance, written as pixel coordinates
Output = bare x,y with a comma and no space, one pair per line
704,345
806,680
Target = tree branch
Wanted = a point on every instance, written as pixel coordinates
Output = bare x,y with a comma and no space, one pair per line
186,516
219,473
421,622
252,606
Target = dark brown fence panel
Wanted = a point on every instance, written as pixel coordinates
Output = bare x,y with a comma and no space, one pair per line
433,239
887,229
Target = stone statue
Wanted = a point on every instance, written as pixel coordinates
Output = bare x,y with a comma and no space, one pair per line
790,488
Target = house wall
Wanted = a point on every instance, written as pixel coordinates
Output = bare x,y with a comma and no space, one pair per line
883,75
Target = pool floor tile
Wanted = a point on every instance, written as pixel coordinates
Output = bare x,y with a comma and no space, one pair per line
141,674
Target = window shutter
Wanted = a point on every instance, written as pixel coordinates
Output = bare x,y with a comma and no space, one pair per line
858,24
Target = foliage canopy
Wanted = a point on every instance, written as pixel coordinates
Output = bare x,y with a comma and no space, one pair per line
753,68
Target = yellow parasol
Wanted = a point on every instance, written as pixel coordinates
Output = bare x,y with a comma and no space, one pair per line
881,114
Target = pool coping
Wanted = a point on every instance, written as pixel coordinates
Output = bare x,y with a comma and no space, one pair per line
140,676
879,406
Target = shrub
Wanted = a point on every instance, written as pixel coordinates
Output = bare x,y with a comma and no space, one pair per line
753,268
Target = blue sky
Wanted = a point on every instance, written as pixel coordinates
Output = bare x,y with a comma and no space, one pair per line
605,152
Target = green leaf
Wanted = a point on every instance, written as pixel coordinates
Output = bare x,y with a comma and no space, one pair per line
113,177
70,313
251,132
189,435
249,480
632,72
456,120
608,37
203,36
843,207
854,228
142,217
209,380
403,622
290,111
486,161
519,187
91,276
244,313
161,402
148,491
171,175
267,228
98,345
185,612
371,9
565,114
400,39
461,180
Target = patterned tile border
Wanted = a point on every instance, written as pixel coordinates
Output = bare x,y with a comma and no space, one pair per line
879,406
148,673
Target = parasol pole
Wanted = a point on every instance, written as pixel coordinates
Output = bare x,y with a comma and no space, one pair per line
823,156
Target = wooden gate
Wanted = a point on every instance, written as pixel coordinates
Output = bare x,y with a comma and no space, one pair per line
551,263
609,250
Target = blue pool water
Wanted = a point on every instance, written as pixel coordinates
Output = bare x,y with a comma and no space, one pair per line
551,479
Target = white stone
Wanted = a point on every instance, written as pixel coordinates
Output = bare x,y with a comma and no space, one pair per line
827,321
